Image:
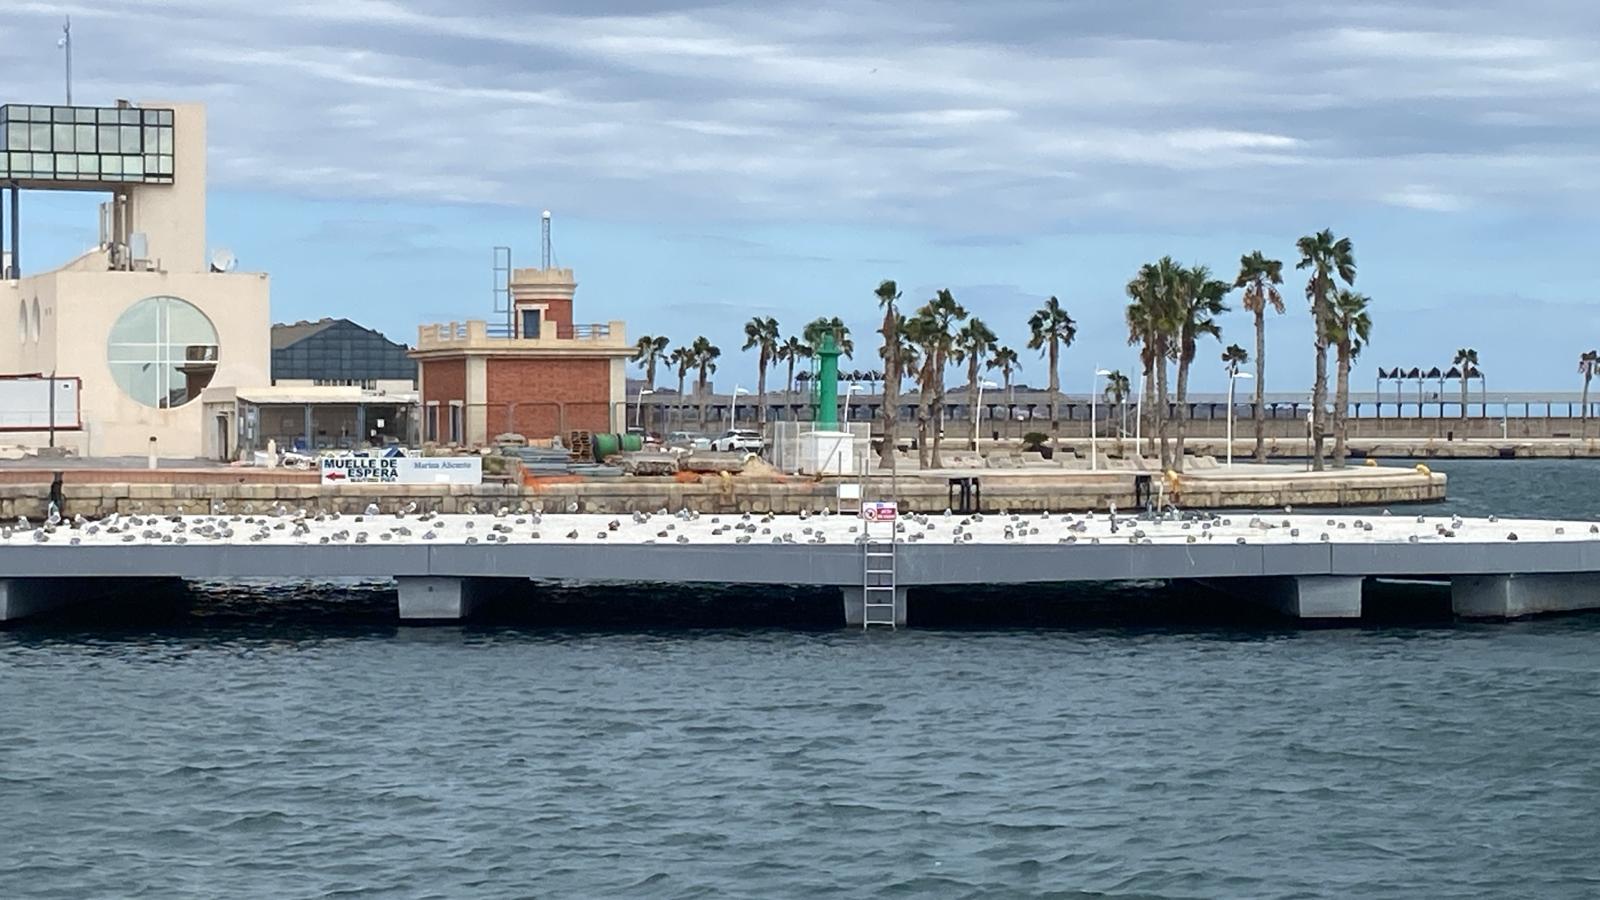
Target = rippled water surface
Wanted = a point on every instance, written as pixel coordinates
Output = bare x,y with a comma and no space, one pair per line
295,742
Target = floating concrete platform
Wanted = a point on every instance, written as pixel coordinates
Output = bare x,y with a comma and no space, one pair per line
1310,567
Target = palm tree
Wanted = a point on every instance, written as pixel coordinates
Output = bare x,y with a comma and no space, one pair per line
1051,331
1260,278
1330,259
816,328
1587,363
791,351
1349,328
705,361
1199,302
1233,358
648,351
682,360
1144,328
1005,359
1153,323
938,335
903,356
891,331
1116,394
1467,360
974,342
762,332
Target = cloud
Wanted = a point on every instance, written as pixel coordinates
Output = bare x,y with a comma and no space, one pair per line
1000,118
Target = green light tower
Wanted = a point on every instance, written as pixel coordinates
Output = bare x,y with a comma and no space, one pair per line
828,384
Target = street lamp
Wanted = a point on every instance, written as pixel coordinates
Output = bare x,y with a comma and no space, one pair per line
978,413
638,406
854,389
1094,431
1233,376
733,401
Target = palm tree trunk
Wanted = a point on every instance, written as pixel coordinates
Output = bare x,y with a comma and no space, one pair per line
1463,398
924,410
1160,362
761,389
700,392
972,398
1341,428
938,412
1055,397
1319,389
1182,412
1148,407
1583,434
1260,413
679,398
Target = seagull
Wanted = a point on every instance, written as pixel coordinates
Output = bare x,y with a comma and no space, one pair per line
372,509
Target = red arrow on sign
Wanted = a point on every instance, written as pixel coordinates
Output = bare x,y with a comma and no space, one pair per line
334,476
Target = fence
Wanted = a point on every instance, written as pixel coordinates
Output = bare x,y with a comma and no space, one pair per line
793,450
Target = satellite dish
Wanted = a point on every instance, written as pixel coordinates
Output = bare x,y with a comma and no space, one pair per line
223,260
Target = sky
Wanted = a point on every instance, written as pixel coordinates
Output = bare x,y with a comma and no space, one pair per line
707,162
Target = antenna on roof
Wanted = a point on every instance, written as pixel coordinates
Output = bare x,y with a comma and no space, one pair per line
544,240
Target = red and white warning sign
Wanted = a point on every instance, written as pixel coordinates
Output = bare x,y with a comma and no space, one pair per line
880,511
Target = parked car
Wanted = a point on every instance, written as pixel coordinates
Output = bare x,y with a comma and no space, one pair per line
739,440
688,440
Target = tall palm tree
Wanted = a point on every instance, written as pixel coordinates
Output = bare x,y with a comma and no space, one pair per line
682,360
1330,260
1587,363
1116,394
705,362
762,333
891,331
940,315
791,351
647,352
1199,302
1154,321
904,356
1467,360
816,328
1349,328
1260,277
1051,330
919,332
1143,317
1005,359
974,342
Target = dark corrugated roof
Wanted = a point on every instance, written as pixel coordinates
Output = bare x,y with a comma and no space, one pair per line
289,335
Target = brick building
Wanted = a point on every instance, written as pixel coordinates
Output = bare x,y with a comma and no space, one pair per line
540,375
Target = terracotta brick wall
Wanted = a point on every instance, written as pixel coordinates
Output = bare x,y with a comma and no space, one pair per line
443,380
560,312
539,398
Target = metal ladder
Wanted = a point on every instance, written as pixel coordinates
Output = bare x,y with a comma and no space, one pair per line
877,581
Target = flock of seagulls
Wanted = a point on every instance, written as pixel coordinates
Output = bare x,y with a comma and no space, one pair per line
278,524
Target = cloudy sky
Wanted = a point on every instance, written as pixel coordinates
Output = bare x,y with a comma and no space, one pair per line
707,162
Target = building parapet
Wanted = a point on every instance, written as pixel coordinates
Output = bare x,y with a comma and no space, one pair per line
479,335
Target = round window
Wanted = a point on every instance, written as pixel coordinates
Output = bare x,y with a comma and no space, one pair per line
162,351
33,327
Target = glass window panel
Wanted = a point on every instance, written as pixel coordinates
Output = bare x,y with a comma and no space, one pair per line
164,116
116,353
21,162
88,165
66,162
162,351
61,114
107,116
41,113
141,381
40,139
129,116
43,164
133,166
62,138
85,115
166,141
150,117
110,165
83,138
16,137
164,165
130,140
108,139
152,139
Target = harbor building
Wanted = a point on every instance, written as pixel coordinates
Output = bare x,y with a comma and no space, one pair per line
538,373
148,319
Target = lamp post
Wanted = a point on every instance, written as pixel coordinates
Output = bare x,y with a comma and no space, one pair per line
1094,431
1233,376
855,388
638,407
978,413
733,401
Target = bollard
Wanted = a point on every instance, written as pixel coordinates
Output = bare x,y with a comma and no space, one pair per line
152,451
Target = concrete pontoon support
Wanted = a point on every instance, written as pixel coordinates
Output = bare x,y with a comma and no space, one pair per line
437,599
855,607
24,597
1511,596
1310,596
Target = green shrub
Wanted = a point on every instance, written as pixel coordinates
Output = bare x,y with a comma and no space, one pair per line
1034,441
